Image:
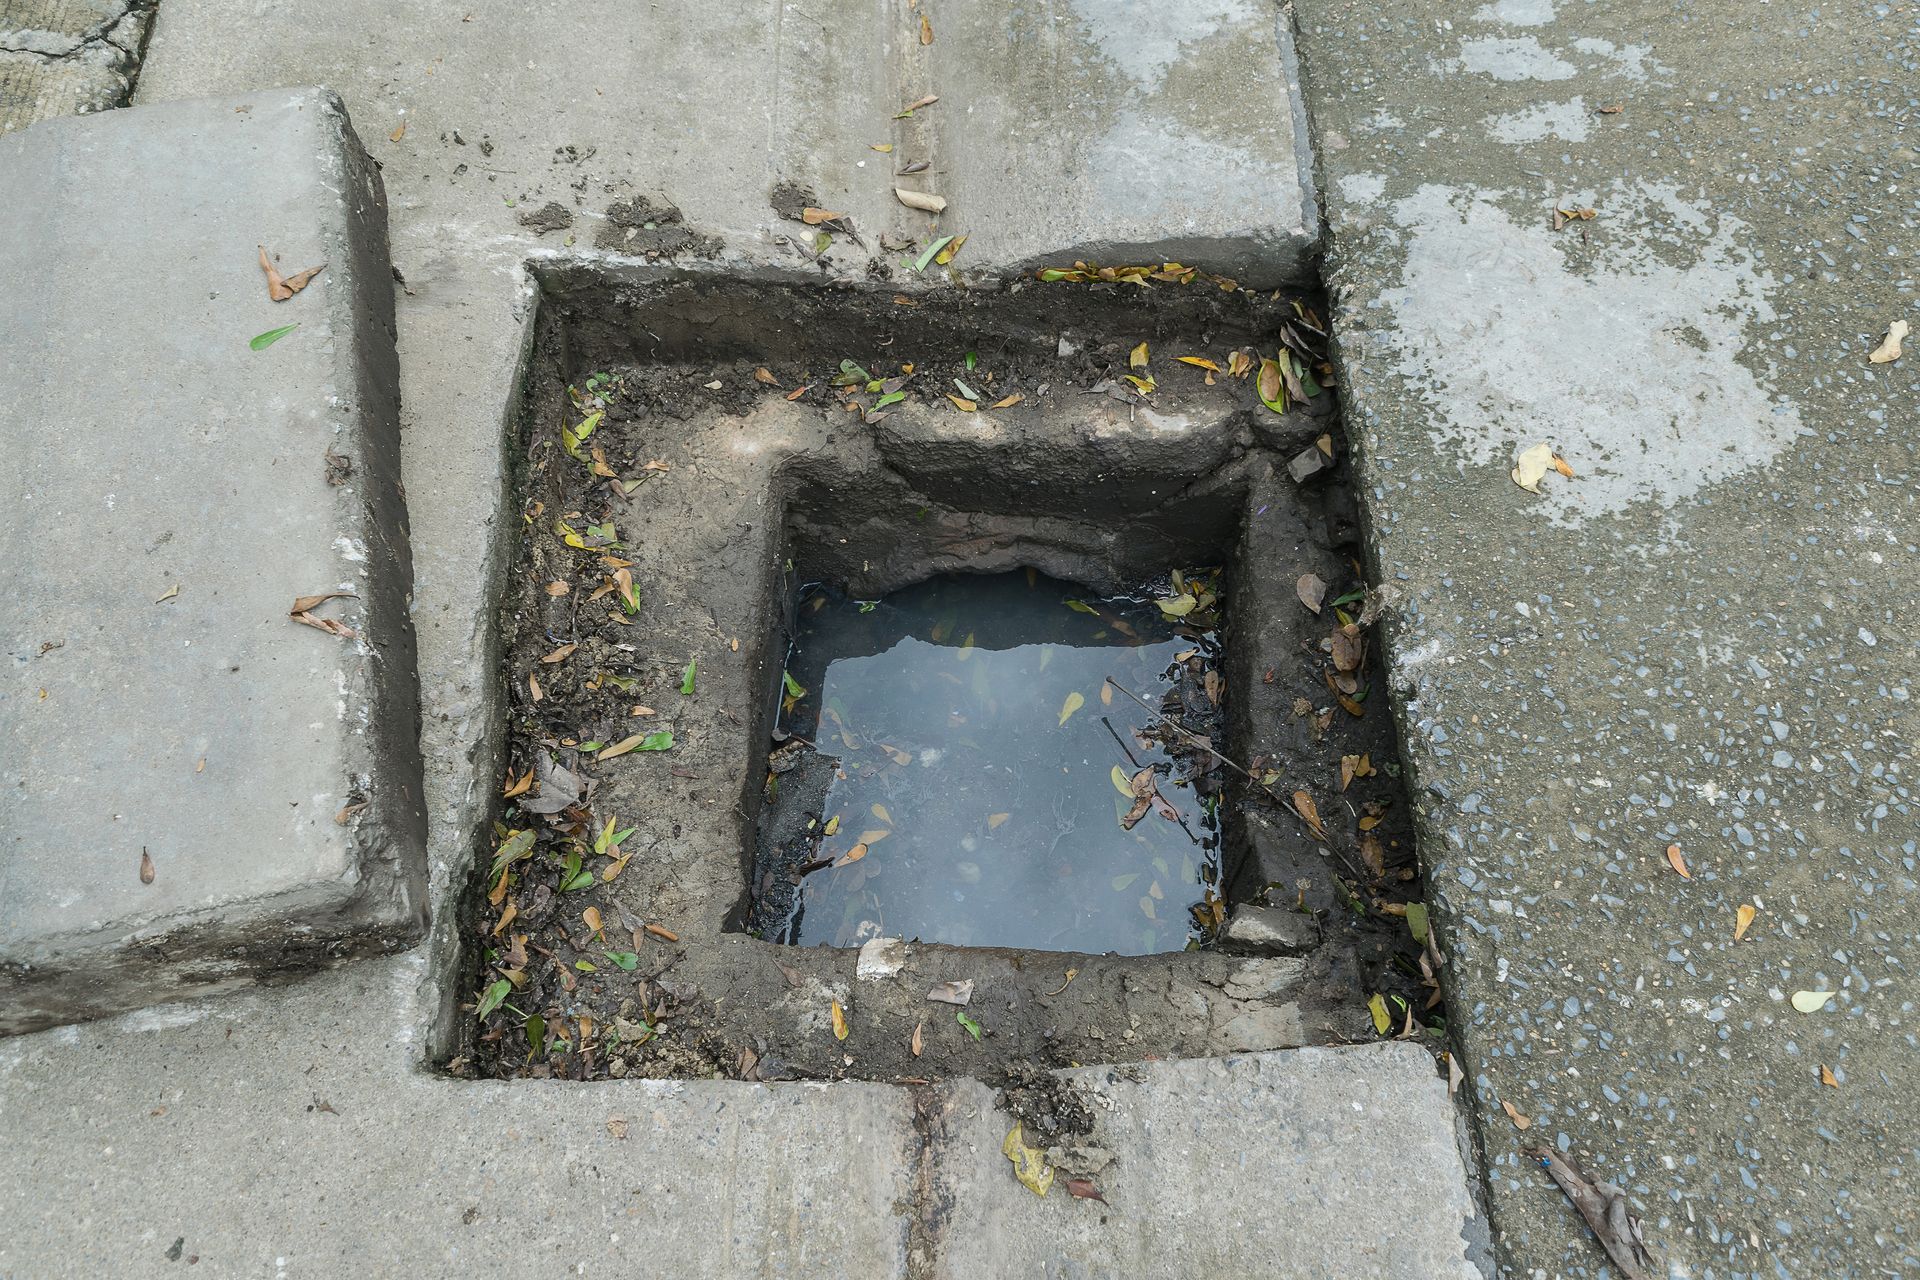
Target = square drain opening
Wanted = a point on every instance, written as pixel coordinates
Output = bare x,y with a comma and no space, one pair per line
717,476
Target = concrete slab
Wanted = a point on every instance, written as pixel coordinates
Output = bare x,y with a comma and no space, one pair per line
316,1149
1705,638
200,789
1309,1163
68,57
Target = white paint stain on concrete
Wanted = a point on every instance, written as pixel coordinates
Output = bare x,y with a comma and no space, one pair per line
1362,188
1568,121
1634,61
1633,370
1512,58
1516,13
1143,37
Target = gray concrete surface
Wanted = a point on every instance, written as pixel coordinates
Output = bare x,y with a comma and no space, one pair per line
1707,637
68,57
167,497
1309,1163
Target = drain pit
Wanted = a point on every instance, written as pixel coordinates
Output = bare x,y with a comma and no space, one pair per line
701,513
975,781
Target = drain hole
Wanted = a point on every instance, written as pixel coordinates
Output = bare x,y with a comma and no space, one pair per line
1001,760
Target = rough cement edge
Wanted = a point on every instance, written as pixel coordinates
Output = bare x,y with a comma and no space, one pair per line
1313,224
112,969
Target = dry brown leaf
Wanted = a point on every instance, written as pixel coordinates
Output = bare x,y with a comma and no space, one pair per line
926,30
962,403
506,918
814,217
399,132
765,375
663,933
1009,401
1349,648
1373,855
1560,465
170,594
1311,590
1743,920
1239,364
305,604
919,200
533,687
1083,1189
558,588
1826,1077
281,288
1143,787
1211,683
1513,1114
853,855
797,392
344,814
146,867
617,1126
592,916
919,1039
560,655
1677,862
328,625
1309,814
927,101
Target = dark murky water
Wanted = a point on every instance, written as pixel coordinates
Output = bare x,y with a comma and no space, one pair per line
979,794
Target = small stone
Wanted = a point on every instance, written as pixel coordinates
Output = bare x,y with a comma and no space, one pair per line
1271,931
1307,464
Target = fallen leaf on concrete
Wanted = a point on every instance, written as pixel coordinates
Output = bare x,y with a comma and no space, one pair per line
331,626
919,1038
617,1126
973,1028
260,342
1742,920
1826,1077
914,106
1560,465
926,30
281,288
882,147
1611,109
399,132
1309,813
1083,1189
814,217
1604,1206
952,992
1811,1001
1513,1113
304,604
146,866
839,1022
1311,590
1677,862
1889,349
1455,1076
345,813
1532,464
945,255
170,594
1029,1163
919,200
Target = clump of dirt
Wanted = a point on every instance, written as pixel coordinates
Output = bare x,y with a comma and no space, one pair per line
789,198
1053,1111
639,225
551,216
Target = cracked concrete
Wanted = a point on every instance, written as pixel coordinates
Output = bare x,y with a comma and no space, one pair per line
68,57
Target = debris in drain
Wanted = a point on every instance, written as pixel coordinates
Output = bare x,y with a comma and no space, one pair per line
974,801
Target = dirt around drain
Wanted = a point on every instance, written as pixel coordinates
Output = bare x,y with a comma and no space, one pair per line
683,447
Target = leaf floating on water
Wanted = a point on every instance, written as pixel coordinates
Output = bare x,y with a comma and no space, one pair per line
793,687
973,1028
1106,693
880,811
1743,920
1119,777
1377,1006
853,855
1073,703
1520,1121
1177,606
1141,787
995,819
1677,862
1811,1001
1029,1163
1889,349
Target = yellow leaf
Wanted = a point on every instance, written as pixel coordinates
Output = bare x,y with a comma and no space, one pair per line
880,811
833,824
1144,385
966,648
874,837
995,819
1074,702
926,30
854,855
1137,358
1743,920
1377,1006
814,217
1029,1163
962,403
1200,362
1106,694
884,148
1309,813
953,246
1826,1078
1010,401
1811,1001
1120,782
1531,465
839,1022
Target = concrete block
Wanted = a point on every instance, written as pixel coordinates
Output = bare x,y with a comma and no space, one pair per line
199,790
1271,1164
1271,931
1119,131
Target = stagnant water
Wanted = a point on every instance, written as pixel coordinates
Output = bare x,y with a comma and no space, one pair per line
981,758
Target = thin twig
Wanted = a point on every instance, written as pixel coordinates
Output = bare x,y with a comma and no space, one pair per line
1195,738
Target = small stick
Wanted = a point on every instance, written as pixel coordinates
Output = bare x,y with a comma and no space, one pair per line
1137,766
1123,746
1179,728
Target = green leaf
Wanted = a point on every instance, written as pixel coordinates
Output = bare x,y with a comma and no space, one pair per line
537,1032
973,1028
686,681
491,998
1378,1008
967,391
272,336
1079,606
851,373
595,745
794,687
972,360
926,254
1417,921
627,960
892,397
515,847
586,966
659,740
868,606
